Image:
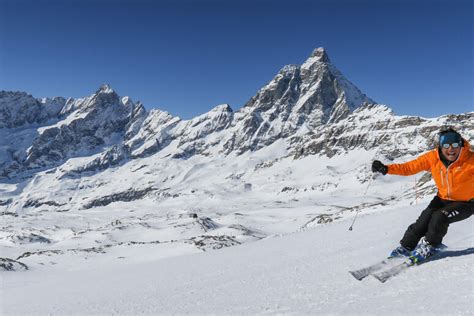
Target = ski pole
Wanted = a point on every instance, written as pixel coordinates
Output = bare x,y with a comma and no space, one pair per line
363,198
416,193
366,189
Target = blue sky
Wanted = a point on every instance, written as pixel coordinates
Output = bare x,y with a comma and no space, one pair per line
186,57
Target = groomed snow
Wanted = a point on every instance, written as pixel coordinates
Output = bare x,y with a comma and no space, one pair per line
300,273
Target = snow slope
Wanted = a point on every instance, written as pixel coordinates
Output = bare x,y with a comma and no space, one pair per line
298,273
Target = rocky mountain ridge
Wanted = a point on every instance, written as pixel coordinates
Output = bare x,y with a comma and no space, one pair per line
297,100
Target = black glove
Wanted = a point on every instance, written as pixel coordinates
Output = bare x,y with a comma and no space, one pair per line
377,166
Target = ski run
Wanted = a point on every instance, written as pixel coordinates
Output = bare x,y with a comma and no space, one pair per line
304,272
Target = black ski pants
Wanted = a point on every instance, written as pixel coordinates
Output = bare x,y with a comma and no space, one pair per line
434,221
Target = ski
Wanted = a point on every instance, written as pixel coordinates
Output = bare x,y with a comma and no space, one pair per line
384,275
382,265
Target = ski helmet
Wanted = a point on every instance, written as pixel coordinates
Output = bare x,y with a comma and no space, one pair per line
449,136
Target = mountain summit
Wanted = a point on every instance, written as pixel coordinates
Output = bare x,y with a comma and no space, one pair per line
105,88
320,54
296,100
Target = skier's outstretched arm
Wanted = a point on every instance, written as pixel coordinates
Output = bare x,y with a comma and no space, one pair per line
419,164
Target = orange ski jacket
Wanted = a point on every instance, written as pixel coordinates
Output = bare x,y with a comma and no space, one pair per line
455,183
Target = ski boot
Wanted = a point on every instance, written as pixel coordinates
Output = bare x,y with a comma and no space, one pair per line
424,250
399,252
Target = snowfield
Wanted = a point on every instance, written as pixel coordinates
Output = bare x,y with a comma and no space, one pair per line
299,273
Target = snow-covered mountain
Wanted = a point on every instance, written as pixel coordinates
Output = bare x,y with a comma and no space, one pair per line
102,178
298,100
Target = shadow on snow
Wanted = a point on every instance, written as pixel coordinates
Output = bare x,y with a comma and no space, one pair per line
454,253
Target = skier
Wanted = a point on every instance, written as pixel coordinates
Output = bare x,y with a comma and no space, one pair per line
452,168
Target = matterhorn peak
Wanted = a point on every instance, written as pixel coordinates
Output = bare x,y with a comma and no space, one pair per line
105,89
320,54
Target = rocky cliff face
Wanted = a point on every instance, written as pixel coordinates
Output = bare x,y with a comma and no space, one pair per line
90,130
19,108
298,100
377,127
58,129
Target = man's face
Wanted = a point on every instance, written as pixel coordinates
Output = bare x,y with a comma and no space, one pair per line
451,153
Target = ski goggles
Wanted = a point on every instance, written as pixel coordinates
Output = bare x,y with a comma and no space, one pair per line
450,139
454,145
